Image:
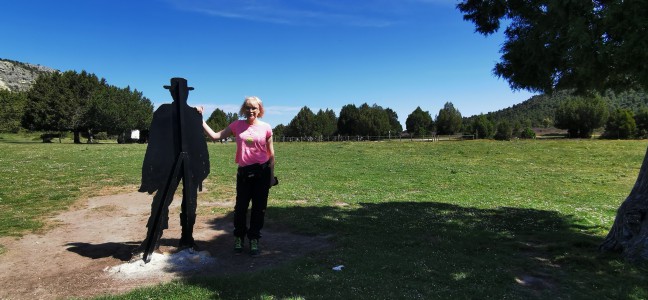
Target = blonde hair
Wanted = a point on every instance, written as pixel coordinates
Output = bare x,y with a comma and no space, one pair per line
252,100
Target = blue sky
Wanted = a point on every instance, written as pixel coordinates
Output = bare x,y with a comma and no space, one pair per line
398,54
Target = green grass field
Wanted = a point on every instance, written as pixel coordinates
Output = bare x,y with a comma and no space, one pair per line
411,220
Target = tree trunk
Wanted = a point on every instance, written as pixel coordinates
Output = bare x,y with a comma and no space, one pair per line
629,233
121,138
77,137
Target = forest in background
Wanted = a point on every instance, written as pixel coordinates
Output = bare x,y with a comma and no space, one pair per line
522,120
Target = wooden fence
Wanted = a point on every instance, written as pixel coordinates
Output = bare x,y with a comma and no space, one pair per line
360,138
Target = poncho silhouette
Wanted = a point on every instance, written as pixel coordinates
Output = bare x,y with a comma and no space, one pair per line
177,150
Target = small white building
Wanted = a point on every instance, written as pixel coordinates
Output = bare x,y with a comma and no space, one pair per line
135,134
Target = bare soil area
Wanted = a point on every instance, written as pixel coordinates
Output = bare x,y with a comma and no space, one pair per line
88,251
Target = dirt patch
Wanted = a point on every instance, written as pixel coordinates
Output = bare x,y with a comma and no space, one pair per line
88,252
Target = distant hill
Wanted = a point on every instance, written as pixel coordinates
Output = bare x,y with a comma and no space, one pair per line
17,76
539,110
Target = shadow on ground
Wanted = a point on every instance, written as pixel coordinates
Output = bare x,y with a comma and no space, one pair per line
121,251
403,250
434,250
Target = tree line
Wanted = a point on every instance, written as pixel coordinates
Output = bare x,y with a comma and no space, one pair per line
364,120
621,115
85,105
81,103
376,121
579,115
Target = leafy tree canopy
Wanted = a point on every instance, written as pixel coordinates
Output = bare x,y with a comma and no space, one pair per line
448,121
374,121
71,101
364,121
419,123
580,116
555,45
13,105
303,124
620,124
349,120
481,127
394,125
279,130
325,123
641,121
218,119
503,132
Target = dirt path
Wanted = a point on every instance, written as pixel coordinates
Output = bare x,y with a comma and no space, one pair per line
79,256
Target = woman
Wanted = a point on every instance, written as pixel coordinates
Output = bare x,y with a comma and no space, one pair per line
255,176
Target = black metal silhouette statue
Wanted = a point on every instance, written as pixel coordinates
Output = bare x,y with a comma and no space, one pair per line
177,149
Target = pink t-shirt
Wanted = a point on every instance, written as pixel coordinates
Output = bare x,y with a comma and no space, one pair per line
251,142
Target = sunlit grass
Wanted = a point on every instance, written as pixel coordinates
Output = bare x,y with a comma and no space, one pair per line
414,220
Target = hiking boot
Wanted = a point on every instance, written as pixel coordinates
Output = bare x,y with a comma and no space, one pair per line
238,245
254,247
187,241
188,245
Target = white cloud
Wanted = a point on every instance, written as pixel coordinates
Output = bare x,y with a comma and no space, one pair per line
376,13
282,110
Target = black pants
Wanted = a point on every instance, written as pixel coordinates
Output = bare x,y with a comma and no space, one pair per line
252,183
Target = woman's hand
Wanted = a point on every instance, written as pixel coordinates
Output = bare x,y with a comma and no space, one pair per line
200,109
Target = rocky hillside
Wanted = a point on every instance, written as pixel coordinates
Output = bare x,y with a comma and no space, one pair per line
17,76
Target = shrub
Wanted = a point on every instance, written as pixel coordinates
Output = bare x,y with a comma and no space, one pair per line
528,133
503,131
620,124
